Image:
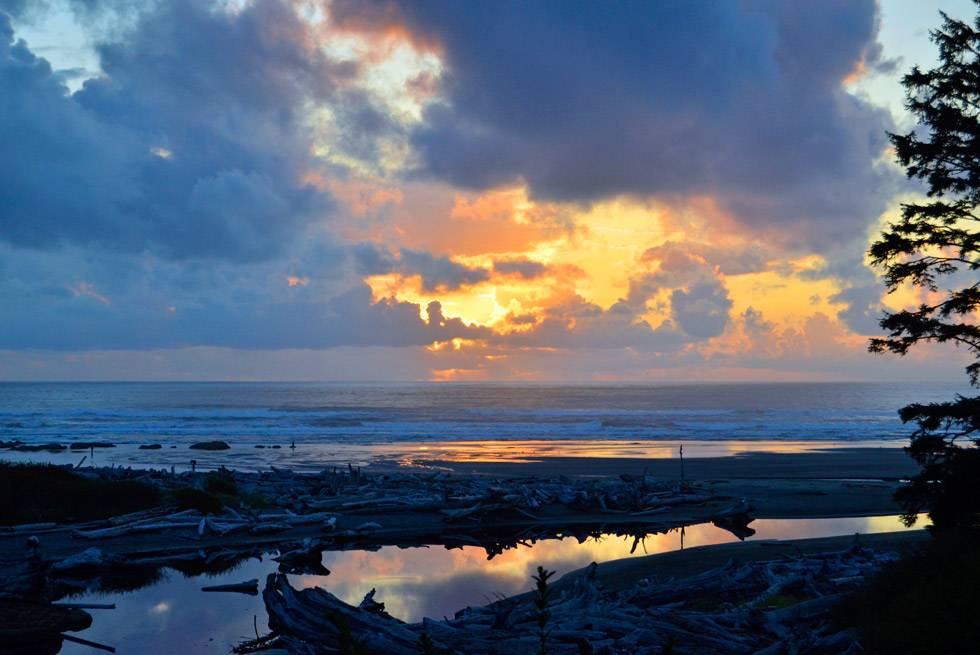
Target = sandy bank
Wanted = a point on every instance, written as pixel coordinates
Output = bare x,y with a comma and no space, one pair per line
839,463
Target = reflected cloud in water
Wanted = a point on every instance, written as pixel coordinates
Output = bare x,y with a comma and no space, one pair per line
174,616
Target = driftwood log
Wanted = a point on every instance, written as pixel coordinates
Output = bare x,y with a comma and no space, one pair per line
769,607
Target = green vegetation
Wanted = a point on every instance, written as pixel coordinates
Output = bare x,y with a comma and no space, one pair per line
218,491
220,482
426,645
933,249
542,596
780,601
923,604
202,501
927,602
346,641
35,493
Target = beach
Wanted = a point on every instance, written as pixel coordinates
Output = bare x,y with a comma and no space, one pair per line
771,500
369,495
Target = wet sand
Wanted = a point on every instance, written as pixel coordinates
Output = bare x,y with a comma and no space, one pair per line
887,463
834,483
838,482
819,482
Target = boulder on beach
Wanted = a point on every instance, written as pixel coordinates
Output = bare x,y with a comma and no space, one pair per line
150,446
35,448
210,445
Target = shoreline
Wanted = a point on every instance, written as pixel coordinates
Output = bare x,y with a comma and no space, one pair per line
495,506
525,457
828,484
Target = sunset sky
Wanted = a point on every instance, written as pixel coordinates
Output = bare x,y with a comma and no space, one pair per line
416,190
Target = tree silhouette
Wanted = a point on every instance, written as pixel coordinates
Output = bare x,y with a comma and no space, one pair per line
935,248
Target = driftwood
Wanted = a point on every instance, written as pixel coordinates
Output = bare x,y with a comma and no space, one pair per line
299,500
88,562
250,587
27,626
305,514
303,557
315,621
727,610
86,642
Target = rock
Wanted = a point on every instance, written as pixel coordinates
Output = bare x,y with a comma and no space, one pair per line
210,445
150,446
34,448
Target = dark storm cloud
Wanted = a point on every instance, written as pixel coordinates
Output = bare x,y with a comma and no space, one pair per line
702,310
525,268
863,307
438,273
699,301
190,143
577,323
739,100
125,304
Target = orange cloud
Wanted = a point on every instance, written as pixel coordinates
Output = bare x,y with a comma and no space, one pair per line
88,290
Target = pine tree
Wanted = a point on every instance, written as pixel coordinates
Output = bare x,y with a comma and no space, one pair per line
935,247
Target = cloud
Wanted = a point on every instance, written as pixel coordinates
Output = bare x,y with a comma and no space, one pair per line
863,307
88,290
701,311
699,302
525,268
159,318
233,175
438,273
742,101
578,324
191,142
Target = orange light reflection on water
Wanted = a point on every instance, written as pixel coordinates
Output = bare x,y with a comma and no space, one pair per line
535,450
433,581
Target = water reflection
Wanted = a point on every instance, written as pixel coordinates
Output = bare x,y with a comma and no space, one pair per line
173,615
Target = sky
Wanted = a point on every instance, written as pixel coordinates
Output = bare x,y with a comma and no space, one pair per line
453,191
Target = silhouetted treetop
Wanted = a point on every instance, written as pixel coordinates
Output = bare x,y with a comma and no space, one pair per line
935,246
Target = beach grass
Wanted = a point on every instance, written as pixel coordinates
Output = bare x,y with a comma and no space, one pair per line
34,493
925,602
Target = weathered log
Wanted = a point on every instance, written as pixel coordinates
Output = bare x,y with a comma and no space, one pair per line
644,619
321,620
250,587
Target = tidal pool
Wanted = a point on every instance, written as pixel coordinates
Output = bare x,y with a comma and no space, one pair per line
173,615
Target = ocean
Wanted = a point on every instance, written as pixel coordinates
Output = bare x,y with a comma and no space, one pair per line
334,413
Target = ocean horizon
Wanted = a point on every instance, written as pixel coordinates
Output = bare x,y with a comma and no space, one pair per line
371,413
